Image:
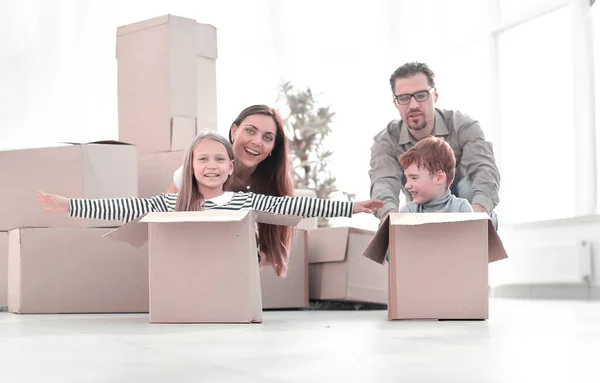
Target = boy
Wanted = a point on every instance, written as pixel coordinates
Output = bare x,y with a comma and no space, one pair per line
430,167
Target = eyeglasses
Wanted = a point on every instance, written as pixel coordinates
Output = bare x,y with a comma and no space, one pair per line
420,96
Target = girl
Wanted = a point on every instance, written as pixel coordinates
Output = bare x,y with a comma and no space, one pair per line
261,153
207,169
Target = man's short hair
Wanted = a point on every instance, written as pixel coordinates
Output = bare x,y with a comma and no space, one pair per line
411,69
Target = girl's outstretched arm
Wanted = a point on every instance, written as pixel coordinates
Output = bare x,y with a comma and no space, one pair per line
312,207
119,209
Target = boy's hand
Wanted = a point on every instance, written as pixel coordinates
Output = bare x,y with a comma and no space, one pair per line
369,206
53,202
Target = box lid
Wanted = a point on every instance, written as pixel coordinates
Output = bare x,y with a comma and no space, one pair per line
102,142
135,232
330,244
205,34
378,246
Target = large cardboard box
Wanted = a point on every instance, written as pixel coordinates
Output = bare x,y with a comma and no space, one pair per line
166,82
338,271
438,264
291,291
155,172
203,265
3,268
74,270
93,170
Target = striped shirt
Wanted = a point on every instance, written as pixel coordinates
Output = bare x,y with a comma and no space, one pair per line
127,209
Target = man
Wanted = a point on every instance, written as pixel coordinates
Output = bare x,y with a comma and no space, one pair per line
414,95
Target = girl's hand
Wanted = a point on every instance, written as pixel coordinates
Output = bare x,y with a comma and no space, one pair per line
369,206
53,202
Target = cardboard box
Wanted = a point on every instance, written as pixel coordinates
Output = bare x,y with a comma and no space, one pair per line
74,270
3,268
155,172
438,266
203,265
338,271
291,291
166,80
92,170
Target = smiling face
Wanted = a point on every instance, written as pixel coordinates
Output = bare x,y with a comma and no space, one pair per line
253,140
424,186
212,165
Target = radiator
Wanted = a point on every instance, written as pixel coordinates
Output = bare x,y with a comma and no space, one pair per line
554,262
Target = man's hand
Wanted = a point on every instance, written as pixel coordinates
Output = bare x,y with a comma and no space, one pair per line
477,208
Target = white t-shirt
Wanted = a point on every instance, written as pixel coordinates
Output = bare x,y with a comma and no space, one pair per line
178,177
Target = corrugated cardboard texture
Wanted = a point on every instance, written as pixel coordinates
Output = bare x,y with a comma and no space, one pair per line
204,272
165,71
71,270
3,268
155,172
291,291
339,272
439,271
76,171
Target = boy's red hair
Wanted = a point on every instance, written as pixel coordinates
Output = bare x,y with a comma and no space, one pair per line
433,154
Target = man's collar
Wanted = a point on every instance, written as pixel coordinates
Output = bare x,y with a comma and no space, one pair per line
439,129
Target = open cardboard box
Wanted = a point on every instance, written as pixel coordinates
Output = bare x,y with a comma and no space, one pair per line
438,264
203,266
338,272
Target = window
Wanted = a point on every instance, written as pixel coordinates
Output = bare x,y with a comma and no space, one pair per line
538,159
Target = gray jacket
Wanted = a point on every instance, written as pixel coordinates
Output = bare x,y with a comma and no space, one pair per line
446,203
474,159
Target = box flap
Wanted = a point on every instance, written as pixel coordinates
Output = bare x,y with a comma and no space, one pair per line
327,244
496,249
277,219
134,27
102,142
196,216
379,244
133,233
426,218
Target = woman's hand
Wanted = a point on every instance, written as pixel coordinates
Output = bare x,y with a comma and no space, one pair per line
369,206
53,202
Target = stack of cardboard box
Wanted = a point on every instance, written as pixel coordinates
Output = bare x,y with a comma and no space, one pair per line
166,92
50,263
56,264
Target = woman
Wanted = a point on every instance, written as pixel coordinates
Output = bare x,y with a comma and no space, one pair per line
262,166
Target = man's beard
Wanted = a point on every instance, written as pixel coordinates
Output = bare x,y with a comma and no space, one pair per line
420,126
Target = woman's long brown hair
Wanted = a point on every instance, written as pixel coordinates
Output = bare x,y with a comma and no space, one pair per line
272,177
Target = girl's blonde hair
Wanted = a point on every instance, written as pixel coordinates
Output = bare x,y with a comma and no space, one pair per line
190,198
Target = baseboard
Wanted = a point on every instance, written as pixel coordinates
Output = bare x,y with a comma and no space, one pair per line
566,291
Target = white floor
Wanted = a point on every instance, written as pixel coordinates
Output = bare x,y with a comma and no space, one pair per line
524,341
